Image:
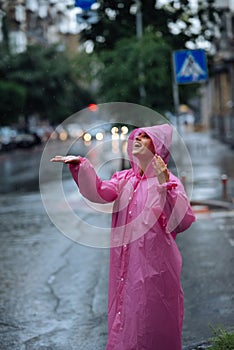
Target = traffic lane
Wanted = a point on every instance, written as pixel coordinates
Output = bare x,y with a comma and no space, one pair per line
53,291
207,275
20,168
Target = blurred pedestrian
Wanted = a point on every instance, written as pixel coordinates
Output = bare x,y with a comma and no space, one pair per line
145,298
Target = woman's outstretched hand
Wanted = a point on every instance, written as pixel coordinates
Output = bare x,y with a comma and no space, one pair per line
161,170
66,159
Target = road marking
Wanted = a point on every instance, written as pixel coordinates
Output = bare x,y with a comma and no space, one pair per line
198,209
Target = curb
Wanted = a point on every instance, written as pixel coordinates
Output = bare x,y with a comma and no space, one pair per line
213,204
200,209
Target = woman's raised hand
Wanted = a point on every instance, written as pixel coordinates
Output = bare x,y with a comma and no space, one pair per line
160,169
66,159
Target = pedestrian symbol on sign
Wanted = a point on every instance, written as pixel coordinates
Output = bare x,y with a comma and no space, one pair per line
190,66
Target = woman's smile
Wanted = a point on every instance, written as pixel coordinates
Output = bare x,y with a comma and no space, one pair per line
137,144
137,147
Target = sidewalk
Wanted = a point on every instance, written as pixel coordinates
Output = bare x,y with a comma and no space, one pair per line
210,161
212,197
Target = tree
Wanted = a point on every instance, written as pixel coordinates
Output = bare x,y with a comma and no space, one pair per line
46,77
12,97
119,75
174,21
117,50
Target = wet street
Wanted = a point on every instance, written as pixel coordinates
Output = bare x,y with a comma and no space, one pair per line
54,290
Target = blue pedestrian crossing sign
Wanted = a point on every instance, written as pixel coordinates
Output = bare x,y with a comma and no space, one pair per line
190,66
84,4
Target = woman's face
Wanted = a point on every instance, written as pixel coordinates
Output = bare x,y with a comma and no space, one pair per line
143,146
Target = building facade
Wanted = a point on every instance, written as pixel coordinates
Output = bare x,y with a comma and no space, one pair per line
43,22
221,85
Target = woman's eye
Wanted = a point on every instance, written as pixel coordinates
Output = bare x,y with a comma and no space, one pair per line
143,136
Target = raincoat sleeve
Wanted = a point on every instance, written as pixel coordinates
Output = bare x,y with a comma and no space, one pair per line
177,213
91,186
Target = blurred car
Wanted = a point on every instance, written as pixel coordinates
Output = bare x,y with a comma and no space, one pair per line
74,130
7,138
97,131
42,131
27,140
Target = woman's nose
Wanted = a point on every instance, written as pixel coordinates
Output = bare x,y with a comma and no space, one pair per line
138,137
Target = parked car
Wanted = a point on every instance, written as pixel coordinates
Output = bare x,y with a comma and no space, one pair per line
7,138
26,140
43,132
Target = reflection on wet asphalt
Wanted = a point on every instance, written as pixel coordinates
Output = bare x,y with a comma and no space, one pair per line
207,275
53,291
210,159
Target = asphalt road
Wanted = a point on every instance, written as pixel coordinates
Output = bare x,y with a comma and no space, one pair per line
54,291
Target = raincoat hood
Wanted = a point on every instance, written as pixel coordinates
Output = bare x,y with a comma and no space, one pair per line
161,136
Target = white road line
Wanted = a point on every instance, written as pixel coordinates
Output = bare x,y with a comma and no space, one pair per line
231,241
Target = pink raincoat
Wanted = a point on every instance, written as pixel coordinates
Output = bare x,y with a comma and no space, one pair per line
145,299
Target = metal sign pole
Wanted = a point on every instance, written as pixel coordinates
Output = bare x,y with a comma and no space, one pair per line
176,103
176,98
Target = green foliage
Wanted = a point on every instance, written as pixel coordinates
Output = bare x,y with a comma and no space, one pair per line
222,340
12,97
119,74
46,76
117,20
118,52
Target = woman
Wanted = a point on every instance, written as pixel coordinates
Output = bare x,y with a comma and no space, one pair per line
145,298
